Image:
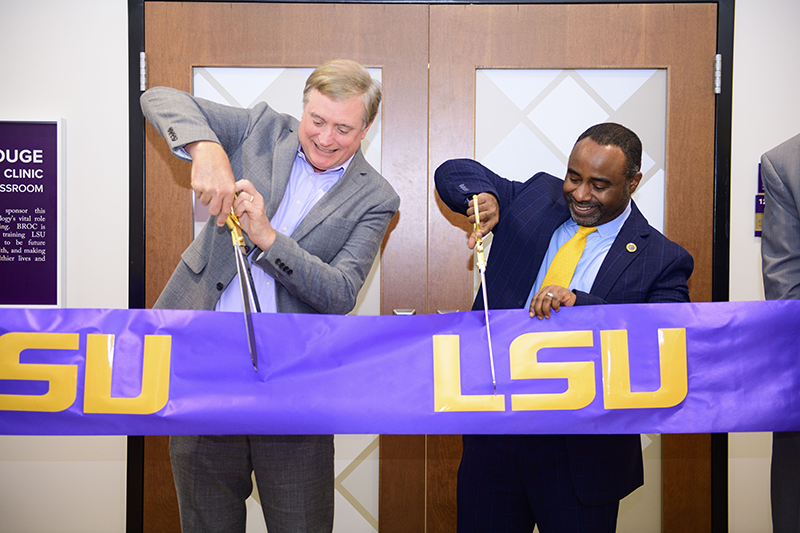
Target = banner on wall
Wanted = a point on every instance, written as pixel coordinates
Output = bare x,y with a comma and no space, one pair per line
639,368
30,213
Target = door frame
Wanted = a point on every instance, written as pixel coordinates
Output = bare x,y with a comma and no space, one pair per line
721,219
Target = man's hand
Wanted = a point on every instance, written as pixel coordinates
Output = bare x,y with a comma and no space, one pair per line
249,208
489,213
212,178
551,297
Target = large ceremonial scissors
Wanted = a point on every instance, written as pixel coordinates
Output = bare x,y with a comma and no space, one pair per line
481,263
245,283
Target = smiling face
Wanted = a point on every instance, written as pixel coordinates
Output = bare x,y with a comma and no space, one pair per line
331,131
596,188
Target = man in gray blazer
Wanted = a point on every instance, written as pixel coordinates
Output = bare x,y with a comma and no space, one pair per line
314,213
780,261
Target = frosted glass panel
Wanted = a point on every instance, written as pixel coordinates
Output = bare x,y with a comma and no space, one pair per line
527,120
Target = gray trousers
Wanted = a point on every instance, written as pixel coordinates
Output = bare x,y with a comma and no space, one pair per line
785,482
294,475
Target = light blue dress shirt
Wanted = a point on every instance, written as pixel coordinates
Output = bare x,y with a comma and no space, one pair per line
304,190
597,245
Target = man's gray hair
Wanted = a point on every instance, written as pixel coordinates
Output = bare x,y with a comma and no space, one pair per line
342,78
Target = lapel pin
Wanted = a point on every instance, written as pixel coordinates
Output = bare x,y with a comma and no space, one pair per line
630,247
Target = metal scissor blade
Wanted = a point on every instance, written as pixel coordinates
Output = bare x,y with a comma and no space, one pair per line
488,331
246,289
245,283
250,284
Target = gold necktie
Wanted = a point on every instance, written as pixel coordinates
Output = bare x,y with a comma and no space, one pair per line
563,266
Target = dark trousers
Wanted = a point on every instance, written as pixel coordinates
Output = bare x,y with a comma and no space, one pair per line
785,482
510,483
294,475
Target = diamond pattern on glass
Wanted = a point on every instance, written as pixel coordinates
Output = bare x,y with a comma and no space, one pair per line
527,120
565,113
521,90
615,86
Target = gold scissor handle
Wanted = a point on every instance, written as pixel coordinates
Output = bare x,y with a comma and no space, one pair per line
236,229
481,259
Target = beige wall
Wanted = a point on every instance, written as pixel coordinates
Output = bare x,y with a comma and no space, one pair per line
68,58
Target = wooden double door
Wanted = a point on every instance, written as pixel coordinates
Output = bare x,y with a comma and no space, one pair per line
428,55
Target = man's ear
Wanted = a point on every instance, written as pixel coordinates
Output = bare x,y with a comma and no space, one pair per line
365,130
633,183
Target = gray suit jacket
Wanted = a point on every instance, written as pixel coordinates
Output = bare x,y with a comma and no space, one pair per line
321,267
780,236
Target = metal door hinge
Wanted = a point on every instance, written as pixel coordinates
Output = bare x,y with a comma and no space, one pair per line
718,74
142,71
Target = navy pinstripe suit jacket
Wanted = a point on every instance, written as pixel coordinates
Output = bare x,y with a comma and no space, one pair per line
604,467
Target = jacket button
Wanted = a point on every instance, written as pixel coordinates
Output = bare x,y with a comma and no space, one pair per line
289,272
220,286
277,261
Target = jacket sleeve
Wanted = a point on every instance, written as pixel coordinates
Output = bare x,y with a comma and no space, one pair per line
181,118
780,235
457,180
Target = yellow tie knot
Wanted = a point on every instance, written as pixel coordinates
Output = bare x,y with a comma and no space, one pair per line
563,266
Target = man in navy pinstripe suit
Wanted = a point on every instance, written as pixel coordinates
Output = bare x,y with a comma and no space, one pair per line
562,483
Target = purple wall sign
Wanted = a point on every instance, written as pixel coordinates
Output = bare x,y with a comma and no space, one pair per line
760,202
30,214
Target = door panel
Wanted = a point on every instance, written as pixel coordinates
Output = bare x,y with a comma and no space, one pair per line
680,38
180,36
431,270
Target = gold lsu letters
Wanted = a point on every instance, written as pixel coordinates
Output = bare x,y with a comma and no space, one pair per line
580,375
63,378
524,364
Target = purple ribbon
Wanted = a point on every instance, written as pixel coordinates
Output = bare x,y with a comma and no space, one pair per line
691,368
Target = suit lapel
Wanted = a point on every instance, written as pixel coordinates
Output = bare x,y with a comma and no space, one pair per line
634,232
282,163
539,241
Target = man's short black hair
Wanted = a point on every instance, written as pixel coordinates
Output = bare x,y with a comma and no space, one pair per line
611,134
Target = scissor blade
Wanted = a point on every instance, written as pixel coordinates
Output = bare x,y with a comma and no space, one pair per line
250,284
246,289
481,264
488,331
